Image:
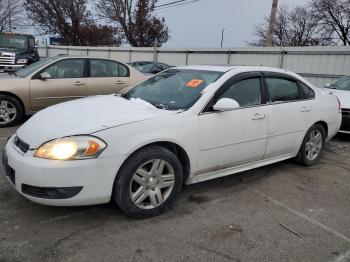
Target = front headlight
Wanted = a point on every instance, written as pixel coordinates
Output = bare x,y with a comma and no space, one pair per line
22,61
71,148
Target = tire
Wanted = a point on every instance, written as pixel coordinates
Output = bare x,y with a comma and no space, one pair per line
310,154
11,111
142,192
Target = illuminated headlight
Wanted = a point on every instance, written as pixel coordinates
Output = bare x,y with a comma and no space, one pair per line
71,148
22,61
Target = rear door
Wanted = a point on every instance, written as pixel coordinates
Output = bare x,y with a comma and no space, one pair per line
67,82
290,114
107,77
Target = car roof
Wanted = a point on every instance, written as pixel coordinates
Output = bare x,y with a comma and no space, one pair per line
143,62
64,56
226,68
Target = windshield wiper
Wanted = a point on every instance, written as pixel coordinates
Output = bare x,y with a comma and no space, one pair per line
160,106
166,107
12,73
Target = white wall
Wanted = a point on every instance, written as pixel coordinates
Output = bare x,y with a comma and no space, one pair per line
320,65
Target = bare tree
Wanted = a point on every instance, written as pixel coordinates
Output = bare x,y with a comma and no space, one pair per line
69,19
294,27
137,21
10,11
334,17
100,35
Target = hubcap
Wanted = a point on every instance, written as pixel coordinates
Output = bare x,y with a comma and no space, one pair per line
152,184
8,112
313,145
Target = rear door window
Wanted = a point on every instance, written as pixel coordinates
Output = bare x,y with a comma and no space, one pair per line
308,92
123,71
282,90
103,68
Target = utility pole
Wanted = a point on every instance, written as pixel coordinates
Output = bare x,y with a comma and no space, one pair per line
272,22
9,16
222,36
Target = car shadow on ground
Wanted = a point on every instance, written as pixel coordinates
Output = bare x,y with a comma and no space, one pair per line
188,199
342,137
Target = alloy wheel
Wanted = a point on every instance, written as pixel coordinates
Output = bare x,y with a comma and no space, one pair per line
152,184
8,112
313,145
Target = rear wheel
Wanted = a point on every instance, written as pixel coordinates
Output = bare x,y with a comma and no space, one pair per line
11,111
313,146
147,184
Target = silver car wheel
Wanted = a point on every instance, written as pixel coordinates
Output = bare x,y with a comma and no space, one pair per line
8,112
152,184
313,145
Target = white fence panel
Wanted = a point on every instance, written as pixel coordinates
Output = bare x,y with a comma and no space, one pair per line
320,65
173,57
123,56
142,54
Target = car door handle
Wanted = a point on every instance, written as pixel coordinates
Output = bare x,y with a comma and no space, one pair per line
78,83
305,109
258,116
119,82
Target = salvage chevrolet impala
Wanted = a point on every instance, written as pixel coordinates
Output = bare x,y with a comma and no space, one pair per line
182,126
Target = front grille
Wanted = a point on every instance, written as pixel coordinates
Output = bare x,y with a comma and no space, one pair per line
7,59
51,192
345,126
23,146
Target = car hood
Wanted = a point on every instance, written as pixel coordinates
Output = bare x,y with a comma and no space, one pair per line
343,96
6,78
12,50
85,116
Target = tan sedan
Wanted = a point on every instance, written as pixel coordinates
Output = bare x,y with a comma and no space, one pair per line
59,79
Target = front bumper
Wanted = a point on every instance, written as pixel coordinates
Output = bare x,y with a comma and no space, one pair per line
345,126
88,181
11,68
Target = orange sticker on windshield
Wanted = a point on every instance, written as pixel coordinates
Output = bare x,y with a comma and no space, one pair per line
194,83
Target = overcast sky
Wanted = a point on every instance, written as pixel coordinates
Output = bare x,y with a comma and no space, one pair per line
199,24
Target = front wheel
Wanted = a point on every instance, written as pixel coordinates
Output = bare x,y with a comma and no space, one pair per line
313,146
148,182
11,111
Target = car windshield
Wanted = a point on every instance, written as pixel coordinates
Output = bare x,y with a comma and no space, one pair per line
26,71
342,84
174,89
13,41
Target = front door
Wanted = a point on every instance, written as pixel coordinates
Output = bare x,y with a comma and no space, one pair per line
67,81
236,137
107,77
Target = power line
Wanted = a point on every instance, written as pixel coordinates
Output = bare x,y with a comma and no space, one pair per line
177,5
171,3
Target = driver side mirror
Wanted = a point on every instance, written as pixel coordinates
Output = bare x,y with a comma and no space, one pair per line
44,76
226,104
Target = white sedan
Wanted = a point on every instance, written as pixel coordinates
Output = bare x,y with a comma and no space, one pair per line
341,89
182,126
